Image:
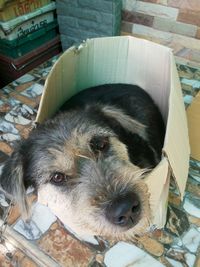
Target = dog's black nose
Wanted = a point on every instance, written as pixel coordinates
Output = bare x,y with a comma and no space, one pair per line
124,211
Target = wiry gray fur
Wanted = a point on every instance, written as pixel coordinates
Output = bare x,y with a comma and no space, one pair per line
94,178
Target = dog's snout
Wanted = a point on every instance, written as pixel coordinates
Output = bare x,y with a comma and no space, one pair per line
124,211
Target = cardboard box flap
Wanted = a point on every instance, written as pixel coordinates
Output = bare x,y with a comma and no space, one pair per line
176,145
193,115
59,86
122,59
159,198
126,59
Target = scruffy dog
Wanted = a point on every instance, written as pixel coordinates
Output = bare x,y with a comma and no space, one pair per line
88,162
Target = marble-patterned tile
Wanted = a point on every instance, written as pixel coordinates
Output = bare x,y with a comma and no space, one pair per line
124,254
177,254
25,130
195,176
40,221
162,236
12,257
4,108
190,259
174,263
23,86
191,208
95,242
13,101
84,238
25,78
17,119
152,246
65,249
3,201
33,91
193,188
21,114
27,110
14,214
42,217
193,198
24,99
194,83
194,221
44,71
29,230
6,148
7,89
195,163
186,72
3,259
7,127
177,221
9,137
185,61
191,240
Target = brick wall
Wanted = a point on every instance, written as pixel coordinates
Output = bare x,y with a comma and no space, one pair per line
82,19
175,23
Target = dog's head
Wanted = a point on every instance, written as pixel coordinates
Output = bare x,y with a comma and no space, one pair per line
81,168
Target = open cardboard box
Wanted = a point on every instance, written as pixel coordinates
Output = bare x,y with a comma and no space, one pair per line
132,61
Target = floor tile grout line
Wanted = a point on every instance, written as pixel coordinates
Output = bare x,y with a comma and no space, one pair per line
28,248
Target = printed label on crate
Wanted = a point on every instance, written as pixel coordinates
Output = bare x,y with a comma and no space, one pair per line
27,27
12,9
34,27
25,6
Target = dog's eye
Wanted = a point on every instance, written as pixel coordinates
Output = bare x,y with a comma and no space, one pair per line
99,144
58,178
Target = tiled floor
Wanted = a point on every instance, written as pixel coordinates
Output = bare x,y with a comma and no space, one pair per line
46,242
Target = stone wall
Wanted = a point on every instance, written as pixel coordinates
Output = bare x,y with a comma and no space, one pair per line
175,23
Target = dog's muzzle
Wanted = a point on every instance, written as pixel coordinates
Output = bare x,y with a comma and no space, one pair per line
124,210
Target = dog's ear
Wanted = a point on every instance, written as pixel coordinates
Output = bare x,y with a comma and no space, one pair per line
125,121
12,181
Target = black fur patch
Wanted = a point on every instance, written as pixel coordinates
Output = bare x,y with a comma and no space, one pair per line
136,103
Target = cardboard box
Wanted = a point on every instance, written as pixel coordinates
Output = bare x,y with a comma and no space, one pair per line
133,61
193,115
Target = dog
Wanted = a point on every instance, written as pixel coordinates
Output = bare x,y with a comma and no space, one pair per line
88,162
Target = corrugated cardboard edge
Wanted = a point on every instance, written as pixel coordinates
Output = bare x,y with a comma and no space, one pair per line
51,100
193,115
159,210
176,147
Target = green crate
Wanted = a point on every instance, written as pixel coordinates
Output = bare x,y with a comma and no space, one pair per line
20,46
